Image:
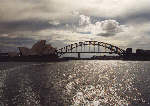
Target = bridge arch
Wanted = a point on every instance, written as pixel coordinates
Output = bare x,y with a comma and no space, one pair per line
69,48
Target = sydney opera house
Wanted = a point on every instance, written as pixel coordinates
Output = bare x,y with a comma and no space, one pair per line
39,51
40,48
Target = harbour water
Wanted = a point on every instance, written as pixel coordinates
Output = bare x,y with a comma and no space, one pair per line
75,83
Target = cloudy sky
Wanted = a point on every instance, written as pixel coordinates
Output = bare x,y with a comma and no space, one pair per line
124,23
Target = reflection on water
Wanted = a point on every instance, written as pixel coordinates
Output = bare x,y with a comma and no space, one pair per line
75,83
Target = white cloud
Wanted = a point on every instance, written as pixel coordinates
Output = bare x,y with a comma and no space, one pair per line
54,22
84,20
102,28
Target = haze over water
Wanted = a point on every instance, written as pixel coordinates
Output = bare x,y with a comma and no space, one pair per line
75,83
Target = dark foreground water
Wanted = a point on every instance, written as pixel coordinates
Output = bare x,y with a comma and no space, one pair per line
75,83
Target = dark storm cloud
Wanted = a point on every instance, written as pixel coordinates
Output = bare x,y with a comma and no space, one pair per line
136,19
139,17
107,34
11,44
26,25
142,15
84,32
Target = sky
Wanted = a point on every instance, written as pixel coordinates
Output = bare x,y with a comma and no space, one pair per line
124,23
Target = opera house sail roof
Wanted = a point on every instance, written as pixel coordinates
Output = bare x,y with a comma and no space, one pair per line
40,48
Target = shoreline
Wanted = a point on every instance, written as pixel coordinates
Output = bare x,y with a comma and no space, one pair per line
48,59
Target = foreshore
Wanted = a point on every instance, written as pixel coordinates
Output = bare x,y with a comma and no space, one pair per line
56,59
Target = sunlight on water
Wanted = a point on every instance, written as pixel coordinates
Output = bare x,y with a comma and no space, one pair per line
75,83
101,83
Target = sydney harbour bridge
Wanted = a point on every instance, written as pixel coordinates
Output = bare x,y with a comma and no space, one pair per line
91,47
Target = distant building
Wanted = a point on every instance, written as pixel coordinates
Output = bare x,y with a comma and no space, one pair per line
142,52
139,51
40,48
129,50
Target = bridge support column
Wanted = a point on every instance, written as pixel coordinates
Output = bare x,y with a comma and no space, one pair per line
78,55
